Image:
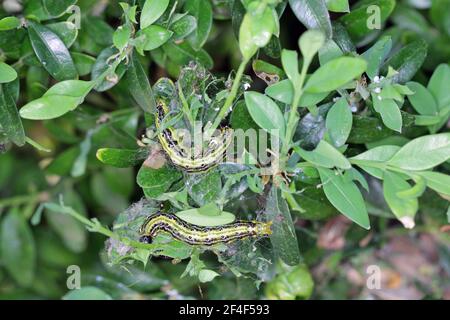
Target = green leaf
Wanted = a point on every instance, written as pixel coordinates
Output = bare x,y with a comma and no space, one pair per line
422,100
7,73
329,51
389,111
57,7
313,14
423,153
403,208
357,21
207,275
83,63
100,32
283,238
310,43
262,26
87,293
204,188
121,158
407,61
101,65
61,98
376,55
121,36
153,37
10,121
265,112
51,52
289,60
246,45
338,5
378,154
345,196
17,248
339,122
151,11
154,182
283,91
324,155
437,181
343,69
206,219
182,26
139,86
66,31
72,233
9,23
202,11
438,85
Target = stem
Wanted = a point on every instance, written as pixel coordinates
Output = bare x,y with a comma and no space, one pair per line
18,200
230,97
185,106
293,119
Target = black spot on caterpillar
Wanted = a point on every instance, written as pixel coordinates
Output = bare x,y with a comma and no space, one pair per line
196,235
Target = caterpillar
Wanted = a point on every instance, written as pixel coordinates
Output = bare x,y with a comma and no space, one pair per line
196,235
179,155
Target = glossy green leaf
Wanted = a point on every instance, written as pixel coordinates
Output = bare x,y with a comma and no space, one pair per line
151,11
422,100
121,36
423,153
202,11
51,52
139,86
343,69
61,98
339,122
201,216
57,7
9,23
358,20
7,73
378,154
265,112
153,37
310,43
313,14
66,31
403,208
324,155
389,111
407,61
283,91
182,26
83,63
376,55
121,158
17,248
338,5
10,121
437,181
283,238
438,86
345,196
156,181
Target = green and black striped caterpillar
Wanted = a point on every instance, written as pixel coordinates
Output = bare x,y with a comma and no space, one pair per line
196,235
182,157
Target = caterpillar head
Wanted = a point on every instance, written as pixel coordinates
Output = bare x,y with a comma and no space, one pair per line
264,228
145,239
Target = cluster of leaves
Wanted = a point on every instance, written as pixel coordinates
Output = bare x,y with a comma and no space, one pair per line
361,118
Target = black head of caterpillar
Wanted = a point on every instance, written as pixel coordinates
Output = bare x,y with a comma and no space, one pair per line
196,235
